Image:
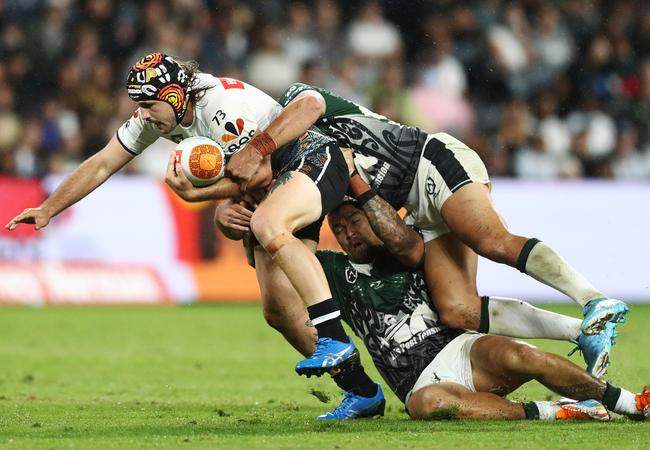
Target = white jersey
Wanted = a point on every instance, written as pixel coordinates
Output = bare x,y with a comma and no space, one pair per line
229,113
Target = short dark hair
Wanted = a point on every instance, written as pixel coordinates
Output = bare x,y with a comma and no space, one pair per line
347,201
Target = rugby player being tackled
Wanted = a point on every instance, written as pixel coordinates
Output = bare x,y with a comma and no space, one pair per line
445,188
176,101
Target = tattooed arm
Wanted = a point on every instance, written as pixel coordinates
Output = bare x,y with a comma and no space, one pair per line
402,241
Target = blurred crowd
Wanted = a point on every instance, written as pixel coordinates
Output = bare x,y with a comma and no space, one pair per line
540,89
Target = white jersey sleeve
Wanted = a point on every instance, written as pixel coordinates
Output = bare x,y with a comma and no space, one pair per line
135,134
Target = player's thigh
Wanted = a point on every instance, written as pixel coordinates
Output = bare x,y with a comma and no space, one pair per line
292,203
450,271
471,215
306,191
493,359
434,398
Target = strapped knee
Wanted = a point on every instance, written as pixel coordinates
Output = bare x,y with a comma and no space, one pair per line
275,244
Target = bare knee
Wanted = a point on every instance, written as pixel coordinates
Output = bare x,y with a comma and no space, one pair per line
523,358
257,224
265,226
430,403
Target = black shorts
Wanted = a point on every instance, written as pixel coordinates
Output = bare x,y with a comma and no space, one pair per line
328,170
325,165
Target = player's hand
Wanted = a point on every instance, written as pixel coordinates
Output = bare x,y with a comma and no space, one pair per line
178,181
236,216
349,159
254,197
33,216
243,165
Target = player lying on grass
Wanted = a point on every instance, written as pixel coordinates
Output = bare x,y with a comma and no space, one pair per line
176,101
446,189
435,370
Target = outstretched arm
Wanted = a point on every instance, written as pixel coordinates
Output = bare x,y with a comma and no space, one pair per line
401,240
85,179
294,120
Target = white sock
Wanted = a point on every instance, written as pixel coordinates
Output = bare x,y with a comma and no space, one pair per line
626,403
546,266
547,410
517,318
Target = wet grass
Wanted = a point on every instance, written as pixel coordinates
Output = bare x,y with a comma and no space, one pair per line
218,377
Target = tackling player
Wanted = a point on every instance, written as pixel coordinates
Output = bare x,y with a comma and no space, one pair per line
445,187
431,367
176,101
435,370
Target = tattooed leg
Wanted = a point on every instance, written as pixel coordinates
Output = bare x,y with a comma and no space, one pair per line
501,364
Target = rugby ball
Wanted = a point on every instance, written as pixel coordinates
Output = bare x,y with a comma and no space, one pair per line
201,159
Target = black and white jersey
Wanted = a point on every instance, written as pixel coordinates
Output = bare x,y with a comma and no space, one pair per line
386,153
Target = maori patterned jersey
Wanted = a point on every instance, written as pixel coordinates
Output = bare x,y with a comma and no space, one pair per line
387,305
386,153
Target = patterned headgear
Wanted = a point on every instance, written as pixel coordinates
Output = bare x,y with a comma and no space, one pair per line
159,77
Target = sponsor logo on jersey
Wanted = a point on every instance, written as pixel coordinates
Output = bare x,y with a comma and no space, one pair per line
234,129
239,144
381,174
351,274
430,185
231,83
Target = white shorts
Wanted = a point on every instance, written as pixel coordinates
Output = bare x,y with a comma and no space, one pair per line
445,166
451,365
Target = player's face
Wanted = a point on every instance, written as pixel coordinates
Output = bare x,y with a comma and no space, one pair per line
353,233
159,113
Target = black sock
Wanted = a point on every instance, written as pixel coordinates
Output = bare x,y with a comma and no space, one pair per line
531,410
610,398
326,317
484,323
525,251
355,379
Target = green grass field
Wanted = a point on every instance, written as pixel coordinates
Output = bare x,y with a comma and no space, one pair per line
218,377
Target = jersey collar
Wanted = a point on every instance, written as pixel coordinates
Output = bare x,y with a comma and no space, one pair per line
362,268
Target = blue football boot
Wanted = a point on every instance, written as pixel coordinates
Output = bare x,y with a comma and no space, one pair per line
596,348
329,354
355,406
599,312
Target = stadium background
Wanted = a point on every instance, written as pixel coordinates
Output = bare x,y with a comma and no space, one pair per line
554,96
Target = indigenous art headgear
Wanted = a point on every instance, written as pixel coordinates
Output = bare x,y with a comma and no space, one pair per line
159,77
